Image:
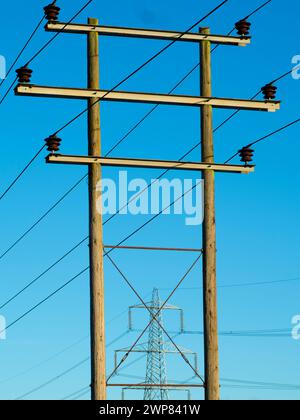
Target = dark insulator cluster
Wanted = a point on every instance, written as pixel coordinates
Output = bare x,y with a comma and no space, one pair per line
269,91
246,155
53,143
24,74
243,27
51,12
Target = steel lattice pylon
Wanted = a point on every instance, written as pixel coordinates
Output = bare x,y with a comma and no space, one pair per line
155,385
156,371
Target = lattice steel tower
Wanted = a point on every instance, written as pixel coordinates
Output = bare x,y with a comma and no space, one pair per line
156,371
157,347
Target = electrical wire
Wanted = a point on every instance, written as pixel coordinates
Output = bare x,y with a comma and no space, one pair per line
66,372
81,391
22,50
256,283
71,369
38,365
49,359
272,384
267,137
119,84
124,137
154,108
21,173
280,129
138,69
11,86
44,300
42,217
44,46
258,9
179,83
58,33
3,305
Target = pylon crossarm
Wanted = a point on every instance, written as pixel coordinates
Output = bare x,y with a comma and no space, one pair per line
75,28
148,163
171,307
146,385
146,350
153,98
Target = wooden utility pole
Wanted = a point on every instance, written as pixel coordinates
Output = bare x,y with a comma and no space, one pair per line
95,161
98,364
211,350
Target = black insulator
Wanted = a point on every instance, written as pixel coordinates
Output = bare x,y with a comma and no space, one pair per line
243,27
51,12
246,155
269,91
24,74
53,143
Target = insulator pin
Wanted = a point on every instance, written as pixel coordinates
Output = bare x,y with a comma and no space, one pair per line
53,143
51,12
269,91
243,27
246,155
24,74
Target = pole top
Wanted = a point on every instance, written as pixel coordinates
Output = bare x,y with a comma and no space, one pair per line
93,21
205,29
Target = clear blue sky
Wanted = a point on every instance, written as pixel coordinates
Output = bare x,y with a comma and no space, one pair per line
257,215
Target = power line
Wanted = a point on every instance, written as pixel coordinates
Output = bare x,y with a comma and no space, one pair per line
66,372
41,275
21,173
38,365
258,9
179,83
262,138
66,349
272,384
42,217
43,47
151,219
11,86
120,141
267,136
58,33
87,268
115,87
170,92
22,50
271,333
78,393
129,76
256,283
44,300
250,333
77,365
108,252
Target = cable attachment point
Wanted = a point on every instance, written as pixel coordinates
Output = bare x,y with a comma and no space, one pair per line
243,27
53,143
24,74
246,155
269,91
52,12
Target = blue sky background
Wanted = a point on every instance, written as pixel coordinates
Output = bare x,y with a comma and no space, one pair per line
257,215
